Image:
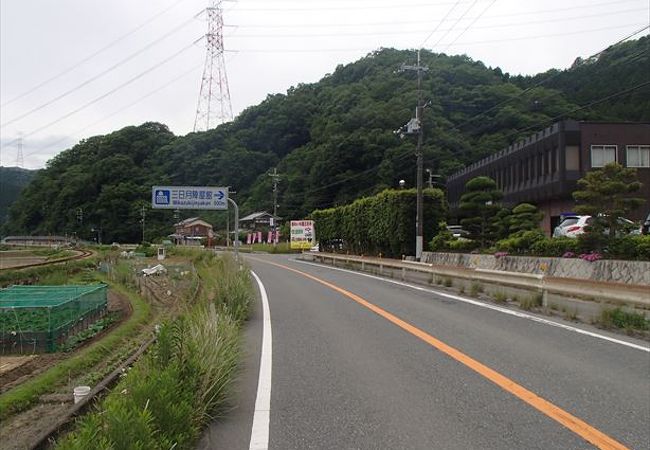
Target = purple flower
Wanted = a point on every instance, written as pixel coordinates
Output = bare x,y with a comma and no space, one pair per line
569,255
591,257
500,254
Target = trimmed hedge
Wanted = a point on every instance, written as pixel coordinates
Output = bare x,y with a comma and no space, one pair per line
384,223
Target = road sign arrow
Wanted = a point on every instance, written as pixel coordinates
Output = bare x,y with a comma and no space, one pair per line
220,195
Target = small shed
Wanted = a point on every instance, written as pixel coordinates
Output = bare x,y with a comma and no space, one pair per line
259,221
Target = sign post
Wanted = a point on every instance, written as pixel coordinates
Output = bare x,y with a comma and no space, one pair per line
189,197
303,234
195,197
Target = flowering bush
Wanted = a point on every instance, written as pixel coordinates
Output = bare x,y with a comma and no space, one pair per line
591,257
569,255
500,254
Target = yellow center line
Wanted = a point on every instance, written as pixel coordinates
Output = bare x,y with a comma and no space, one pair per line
573,423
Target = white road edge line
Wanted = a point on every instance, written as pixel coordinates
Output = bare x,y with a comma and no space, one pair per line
488,306
262,416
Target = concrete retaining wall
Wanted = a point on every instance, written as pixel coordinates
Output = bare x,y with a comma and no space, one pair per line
628,272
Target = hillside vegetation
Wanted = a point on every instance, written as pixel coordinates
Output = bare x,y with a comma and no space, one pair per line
12,181
332,141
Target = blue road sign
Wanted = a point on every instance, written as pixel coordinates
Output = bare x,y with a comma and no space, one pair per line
189,197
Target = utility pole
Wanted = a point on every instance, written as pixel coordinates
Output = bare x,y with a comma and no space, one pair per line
276,179
143,218
415,126
214,105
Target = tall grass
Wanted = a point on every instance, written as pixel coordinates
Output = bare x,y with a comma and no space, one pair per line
183,381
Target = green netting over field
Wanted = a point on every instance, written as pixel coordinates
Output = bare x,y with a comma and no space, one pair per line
36,318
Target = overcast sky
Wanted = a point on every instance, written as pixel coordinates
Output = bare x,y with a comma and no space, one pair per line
71,69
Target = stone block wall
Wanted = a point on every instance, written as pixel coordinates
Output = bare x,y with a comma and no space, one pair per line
629,272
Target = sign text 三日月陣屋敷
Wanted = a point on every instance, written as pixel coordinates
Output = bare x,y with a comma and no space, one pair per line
189,197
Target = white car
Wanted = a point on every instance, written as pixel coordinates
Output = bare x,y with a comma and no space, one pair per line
572,226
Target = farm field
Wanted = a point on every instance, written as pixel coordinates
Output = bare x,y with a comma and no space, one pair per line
37,389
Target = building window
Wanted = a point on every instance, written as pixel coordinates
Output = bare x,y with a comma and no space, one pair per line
602,154
638,155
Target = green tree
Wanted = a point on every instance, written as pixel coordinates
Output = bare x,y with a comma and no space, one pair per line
479,206
525,217
607,194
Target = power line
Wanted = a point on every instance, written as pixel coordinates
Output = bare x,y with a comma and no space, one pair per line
470,25
418,31
494,16
588,105
570,33
439,23
124,108
99,75
112,91
455,23
367,49
92,55
351,8
547,79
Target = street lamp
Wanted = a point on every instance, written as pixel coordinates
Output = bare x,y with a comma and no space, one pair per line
431,177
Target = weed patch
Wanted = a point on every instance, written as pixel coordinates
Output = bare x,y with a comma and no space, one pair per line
500,297
619,318
475,289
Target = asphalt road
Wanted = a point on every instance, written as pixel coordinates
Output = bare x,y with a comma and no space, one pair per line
365,364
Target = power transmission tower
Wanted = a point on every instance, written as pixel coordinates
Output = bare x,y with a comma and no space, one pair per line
20,159
214,105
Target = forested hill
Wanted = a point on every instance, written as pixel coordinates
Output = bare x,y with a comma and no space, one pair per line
331,141
12,181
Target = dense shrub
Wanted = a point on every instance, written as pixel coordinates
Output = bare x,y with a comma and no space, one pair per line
384,223
554,246
147,249
521,242
525,217
629,247
463,245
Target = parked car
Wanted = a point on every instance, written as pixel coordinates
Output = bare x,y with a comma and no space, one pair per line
645,226
457,231
572,226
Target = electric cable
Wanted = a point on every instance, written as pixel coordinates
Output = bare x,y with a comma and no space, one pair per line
112,91
494,16
439,23
547,79
99,75
470,25
455,23
122,109
92,55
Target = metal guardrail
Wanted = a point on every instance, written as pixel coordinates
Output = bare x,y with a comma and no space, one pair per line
634,295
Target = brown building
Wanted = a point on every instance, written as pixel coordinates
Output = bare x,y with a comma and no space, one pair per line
543,169
191,231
